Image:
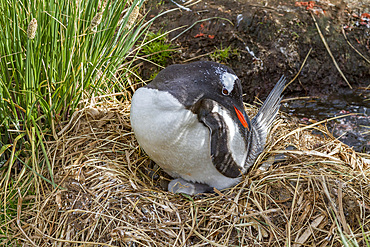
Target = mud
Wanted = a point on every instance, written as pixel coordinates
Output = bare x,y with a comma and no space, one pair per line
272,38
267,39
348,111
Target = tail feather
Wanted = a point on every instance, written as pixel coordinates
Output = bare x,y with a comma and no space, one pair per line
262,122
267,113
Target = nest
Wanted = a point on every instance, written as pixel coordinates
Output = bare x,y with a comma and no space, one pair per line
306,189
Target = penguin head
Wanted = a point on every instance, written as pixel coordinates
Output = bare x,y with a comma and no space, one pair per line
204,80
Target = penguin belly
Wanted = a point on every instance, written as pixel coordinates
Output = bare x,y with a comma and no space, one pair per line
173,137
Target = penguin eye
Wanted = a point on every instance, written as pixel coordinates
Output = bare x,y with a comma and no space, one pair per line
225,91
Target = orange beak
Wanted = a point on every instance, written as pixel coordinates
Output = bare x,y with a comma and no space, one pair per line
241,118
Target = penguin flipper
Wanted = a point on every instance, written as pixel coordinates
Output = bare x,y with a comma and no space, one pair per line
221,156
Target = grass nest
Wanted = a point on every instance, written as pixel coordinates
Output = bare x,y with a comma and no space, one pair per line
306,189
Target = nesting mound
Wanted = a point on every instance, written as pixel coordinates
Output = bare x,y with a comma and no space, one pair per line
112,194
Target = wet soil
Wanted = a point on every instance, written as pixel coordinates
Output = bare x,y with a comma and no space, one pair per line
349,112
267,39
280,35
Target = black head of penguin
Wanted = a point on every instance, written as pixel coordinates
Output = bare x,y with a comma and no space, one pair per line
203,80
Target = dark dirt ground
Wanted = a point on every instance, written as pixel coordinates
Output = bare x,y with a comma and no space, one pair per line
270,38
280,34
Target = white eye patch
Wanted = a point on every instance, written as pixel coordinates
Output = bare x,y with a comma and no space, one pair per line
228,81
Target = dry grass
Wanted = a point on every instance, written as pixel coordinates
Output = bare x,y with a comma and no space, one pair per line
113,195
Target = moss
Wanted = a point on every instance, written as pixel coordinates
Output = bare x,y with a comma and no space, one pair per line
157,49
222,55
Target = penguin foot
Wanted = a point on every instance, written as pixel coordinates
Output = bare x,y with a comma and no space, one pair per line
180,185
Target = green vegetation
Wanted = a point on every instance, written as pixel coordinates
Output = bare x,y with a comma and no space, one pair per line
161,2
156,49
222,55
53,55
295,35
348,239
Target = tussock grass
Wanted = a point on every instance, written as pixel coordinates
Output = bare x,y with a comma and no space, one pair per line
111,194
53,55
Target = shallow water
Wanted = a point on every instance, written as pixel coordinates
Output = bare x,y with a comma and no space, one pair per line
353,130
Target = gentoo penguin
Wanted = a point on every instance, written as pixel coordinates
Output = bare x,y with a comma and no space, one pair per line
191,121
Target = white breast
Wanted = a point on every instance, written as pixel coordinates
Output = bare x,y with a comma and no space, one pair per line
173,137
